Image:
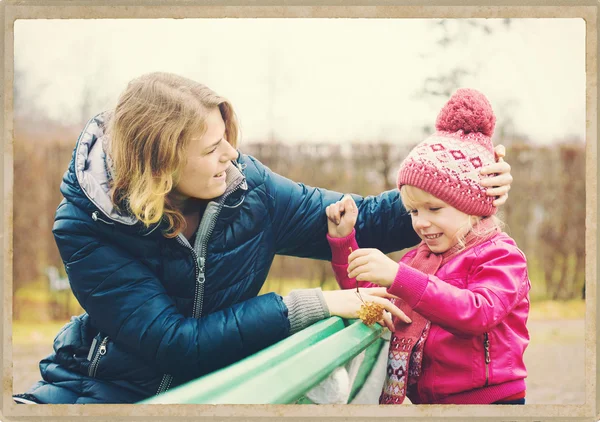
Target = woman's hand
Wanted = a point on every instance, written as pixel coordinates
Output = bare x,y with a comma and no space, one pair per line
372,265
499,185
341,217
346,303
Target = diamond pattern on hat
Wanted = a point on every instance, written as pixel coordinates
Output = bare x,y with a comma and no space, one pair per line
476,161
457,155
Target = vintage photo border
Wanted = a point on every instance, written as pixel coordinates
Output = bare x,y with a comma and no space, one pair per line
11,10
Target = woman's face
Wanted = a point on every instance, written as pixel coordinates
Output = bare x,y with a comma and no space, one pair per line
208,156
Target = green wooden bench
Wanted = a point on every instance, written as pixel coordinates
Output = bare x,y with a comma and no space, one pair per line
286,371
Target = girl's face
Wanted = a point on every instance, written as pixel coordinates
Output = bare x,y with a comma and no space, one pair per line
208,156
437,223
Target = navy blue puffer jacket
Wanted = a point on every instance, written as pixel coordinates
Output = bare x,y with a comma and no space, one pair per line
161,312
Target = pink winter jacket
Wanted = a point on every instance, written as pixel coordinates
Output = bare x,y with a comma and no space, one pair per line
481,294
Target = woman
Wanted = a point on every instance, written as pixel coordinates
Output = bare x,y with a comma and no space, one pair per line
167,234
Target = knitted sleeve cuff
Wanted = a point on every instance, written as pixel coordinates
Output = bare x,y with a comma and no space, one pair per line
409,284
305,307
340,247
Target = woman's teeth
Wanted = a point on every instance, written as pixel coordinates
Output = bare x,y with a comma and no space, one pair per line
432,236
220,174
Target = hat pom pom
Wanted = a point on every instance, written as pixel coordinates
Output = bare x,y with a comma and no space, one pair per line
467,110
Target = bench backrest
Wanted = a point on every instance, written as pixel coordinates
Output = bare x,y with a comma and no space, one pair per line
284,372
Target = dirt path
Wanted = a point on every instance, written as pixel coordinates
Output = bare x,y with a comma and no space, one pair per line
554,359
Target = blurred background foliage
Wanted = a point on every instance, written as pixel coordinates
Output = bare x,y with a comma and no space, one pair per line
545,212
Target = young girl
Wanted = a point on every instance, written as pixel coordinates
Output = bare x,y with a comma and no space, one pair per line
465,286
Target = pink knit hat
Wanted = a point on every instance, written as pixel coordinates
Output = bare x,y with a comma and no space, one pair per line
447,164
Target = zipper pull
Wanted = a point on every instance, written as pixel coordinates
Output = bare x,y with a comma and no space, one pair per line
102,349
486,345
201,277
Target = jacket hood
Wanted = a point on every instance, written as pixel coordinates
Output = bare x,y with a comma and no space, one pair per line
87,180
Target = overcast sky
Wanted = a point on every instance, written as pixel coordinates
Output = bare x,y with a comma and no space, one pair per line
315,80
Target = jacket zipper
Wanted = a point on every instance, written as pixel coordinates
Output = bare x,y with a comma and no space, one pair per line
204,237
96,360
183,242
166,380
199,263
486,345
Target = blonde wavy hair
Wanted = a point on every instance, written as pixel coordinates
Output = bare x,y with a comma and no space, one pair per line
152,124
410,201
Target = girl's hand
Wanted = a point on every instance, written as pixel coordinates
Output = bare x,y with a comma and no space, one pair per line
372,265
346,303
341,217
500,183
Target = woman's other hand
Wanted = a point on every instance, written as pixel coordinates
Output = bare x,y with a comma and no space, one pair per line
499,184
346,304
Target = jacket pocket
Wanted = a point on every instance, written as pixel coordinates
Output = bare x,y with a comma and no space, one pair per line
487,358
97,352
113,364
426,384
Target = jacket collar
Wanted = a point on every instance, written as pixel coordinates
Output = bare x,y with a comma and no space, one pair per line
92,166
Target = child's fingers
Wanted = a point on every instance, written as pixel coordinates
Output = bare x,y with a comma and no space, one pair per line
359,273
363,274
334,213
349,204
358,253
330,214
357,267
